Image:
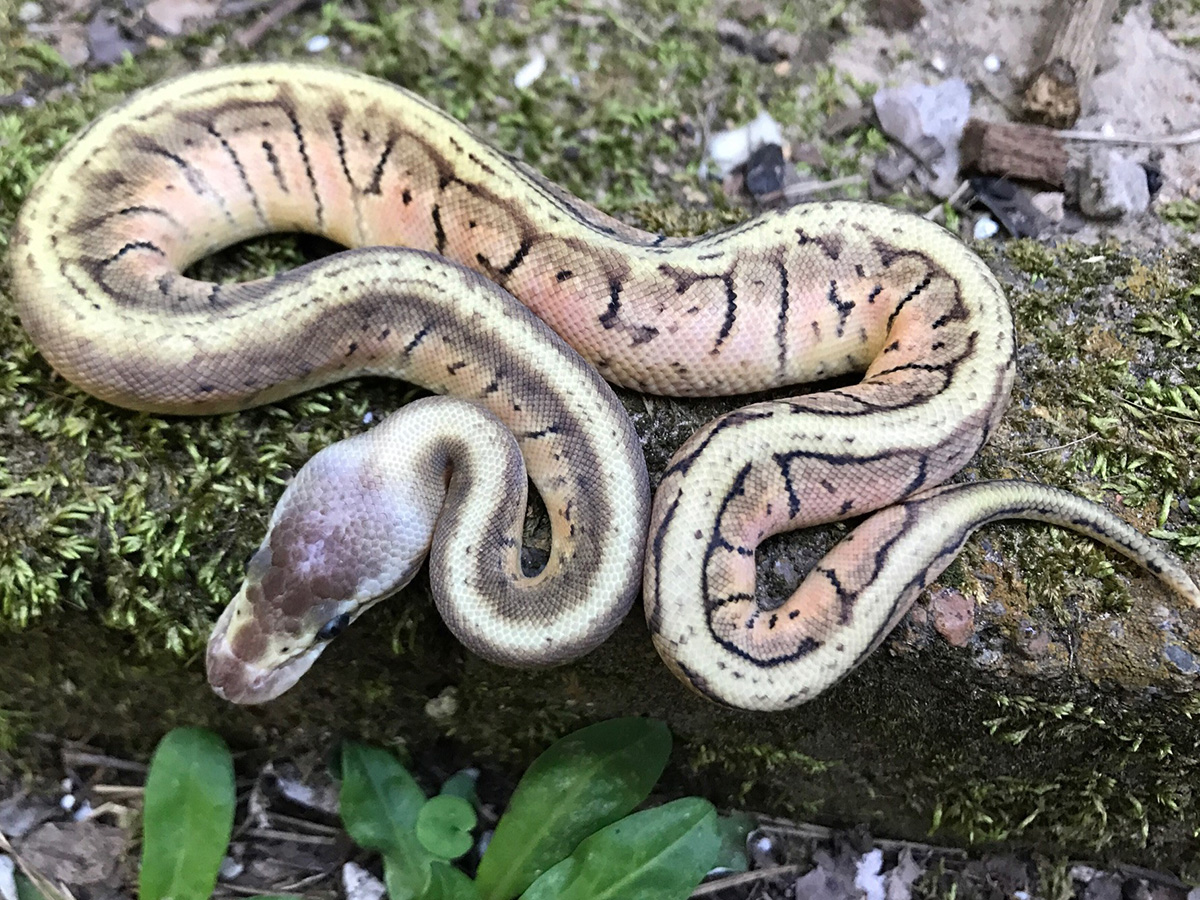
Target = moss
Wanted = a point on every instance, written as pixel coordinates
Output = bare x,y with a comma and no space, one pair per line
124,533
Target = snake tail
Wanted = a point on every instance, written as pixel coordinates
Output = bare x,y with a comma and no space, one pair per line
779,657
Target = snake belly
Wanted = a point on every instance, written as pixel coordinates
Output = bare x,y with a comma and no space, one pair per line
792,296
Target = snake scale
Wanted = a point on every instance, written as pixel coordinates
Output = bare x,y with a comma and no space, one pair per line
805,294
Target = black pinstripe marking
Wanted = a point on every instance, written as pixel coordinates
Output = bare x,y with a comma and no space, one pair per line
337,121
921,285
302,146
781,320
276,169
734,419
417,338
377,174
439,233
195,177
844,307
241,170
730,312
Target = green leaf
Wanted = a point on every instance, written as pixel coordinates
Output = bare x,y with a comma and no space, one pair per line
449,883
658,854
26,889
583,782
407,868
444,826
379,799
734,830
188,816
462,784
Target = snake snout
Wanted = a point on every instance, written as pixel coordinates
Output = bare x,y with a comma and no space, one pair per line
238,681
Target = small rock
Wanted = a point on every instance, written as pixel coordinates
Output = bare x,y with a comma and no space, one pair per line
776,45
531,71
1049,204
106,41
900,879
735,34
359,884
29,12
8,879
317,43
1036,643
1181,659
75,852
867,878
991,63
174,16
729,149
953,616
20,814
443,707
230,869
764,171
985,227
1103,887
929,121
1110,186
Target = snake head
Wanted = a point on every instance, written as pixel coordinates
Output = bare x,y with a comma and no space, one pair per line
342,538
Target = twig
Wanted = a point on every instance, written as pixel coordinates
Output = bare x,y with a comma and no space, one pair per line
721,884
267,21
1163,140
297,822
249,891
270,834
821,833
1082,440
814,186
959,192
117,790
80,758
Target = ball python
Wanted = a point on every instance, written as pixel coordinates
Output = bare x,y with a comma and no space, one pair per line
799,295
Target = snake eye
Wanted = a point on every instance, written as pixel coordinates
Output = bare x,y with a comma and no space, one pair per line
333,627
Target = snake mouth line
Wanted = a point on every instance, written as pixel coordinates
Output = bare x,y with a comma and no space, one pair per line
246,683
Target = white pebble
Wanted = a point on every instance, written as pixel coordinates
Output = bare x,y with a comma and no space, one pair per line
531,71
230,868
991,62
29,12
985,228
317,43
938,64
368,418
8,881
67,802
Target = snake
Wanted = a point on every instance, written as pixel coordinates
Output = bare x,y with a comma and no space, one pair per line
470,274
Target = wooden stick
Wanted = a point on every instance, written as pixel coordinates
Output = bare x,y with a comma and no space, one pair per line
267,21
1077,27
1022,152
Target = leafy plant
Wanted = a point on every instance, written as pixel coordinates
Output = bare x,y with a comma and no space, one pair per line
187,817
567,833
